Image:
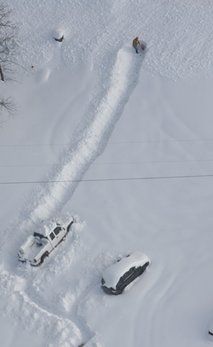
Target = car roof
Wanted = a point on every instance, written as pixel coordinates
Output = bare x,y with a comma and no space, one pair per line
114,272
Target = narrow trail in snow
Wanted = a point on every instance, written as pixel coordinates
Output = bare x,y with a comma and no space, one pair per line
94,138
51,199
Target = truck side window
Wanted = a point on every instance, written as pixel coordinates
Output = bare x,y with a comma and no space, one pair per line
52,236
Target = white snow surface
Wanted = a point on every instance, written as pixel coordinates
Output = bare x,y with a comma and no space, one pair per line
114,272
104,134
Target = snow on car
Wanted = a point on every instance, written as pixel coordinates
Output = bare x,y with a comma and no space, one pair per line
211,329
42,242
120,274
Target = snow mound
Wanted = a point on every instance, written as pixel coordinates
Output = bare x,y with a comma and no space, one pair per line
34,316
94,138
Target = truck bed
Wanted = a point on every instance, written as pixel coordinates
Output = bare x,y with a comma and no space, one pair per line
32,247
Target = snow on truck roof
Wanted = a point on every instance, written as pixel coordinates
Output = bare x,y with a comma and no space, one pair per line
113,273
48,226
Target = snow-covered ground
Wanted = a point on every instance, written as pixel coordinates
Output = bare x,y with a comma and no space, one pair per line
124,142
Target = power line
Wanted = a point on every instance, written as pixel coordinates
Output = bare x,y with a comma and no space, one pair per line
161,141
111,142
141,162
109,179
116,163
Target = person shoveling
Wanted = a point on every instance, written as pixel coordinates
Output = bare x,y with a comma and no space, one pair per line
138,45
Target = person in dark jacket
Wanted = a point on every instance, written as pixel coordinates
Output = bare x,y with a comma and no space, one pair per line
136,44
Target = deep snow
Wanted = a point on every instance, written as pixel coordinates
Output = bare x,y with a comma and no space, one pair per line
90,108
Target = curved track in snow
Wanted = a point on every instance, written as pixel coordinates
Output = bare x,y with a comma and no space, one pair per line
32,315
56,299
53,197
94,138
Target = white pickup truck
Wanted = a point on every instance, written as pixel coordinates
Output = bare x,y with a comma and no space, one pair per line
40,244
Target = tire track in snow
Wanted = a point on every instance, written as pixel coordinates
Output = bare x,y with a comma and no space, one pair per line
185,284
154,296
123,78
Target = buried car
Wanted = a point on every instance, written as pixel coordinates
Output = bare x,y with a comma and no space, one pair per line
42,242
211,330
120,274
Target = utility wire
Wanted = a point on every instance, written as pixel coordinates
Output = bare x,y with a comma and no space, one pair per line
111,142
109,179
141,162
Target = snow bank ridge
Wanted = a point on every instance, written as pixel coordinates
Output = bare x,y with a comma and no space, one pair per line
60,329
122,81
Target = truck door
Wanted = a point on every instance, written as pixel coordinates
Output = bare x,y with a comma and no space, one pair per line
53,239
58,233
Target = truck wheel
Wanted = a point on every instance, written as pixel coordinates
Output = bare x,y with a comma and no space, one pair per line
118,292
43,257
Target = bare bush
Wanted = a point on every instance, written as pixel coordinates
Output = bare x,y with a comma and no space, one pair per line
7,41
7,52
8,105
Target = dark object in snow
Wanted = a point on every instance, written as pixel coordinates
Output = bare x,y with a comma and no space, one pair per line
143,45
210,332
60,39
135,44
1,74
138,45
123,272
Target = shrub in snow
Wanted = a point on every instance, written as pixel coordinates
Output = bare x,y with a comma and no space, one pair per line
7,50
7,104
7,41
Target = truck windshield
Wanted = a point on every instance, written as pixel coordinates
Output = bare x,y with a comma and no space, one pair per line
57,230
